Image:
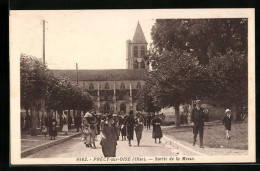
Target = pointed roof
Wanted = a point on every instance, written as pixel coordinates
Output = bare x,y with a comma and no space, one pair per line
139,35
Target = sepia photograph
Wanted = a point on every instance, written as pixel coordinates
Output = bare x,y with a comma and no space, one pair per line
132,86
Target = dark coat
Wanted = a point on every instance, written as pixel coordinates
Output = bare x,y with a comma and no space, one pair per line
53,128
157,131
148,119
123,130
139,127
110,141
227,122
129,123
198,117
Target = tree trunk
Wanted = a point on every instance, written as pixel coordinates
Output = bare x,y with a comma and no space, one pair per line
177,115
33,121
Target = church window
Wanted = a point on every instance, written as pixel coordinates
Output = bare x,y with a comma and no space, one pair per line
107,86
135,65
135,51
142,51
142,65
91,87
122,86
138,85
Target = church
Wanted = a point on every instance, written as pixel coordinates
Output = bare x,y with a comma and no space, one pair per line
115,90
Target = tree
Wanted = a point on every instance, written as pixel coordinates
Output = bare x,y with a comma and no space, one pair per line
229,74
175,77
201,38
34,81
145,99
37,81
194,58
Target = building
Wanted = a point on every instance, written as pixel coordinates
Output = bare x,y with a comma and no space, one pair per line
116,90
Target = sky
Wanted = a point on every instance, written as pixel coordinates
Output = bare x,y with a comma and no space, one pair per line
95,39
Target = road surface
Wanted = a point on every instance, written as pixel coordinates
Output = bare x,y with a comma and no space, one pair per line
76,148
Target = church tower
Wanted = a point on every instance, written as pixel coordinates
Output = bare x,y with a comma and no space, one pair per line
136,50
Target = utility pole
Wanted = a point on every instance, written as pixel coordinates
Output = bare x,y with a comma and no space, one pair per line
43,57
77,73
43,45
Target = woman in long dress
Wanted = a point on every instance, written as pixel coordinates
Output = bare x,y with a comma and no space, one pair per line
89,131
157,131
109,138
65,128
129,123
139,121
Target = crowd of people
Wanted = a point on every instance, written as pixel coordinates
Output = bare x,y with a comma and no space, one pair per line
113,127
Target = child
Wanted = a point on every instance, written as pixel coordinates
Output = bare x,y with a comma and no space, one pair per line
53,130
44,131
227,122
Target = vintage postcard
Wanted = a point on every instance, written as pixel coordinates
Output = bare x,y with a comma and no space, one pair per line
132,86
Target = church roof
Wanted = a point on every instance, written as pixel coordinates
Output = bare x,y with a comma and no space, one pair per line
103,75
139,35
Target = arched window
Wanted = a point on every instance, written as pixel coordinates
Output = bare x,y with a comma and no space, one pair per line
91,87
107,86
135,51
142,64
122,86
138,85
135,64
142,51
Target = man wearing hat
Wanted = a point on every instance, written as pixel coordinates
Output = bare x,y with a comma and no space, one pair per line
197,121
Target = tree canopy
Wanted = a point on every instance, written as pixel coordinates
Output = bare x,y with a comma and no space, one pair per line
197,58
37,81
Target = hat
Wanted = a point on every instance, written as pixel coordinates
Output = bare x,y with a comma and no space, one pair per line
198,101
156,114
114,114
227,111
87,115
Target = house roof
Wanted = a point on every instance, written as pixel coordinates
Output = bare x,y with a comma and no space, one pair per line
139,35
103,75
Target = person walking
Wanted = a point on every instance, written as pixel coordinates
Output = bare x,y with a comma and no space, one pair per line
117,123
227,122
88,139
98,123
77,121
129,123
109,138
122,129
139,121
148,121
65,128
157,131
197,121
53,128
